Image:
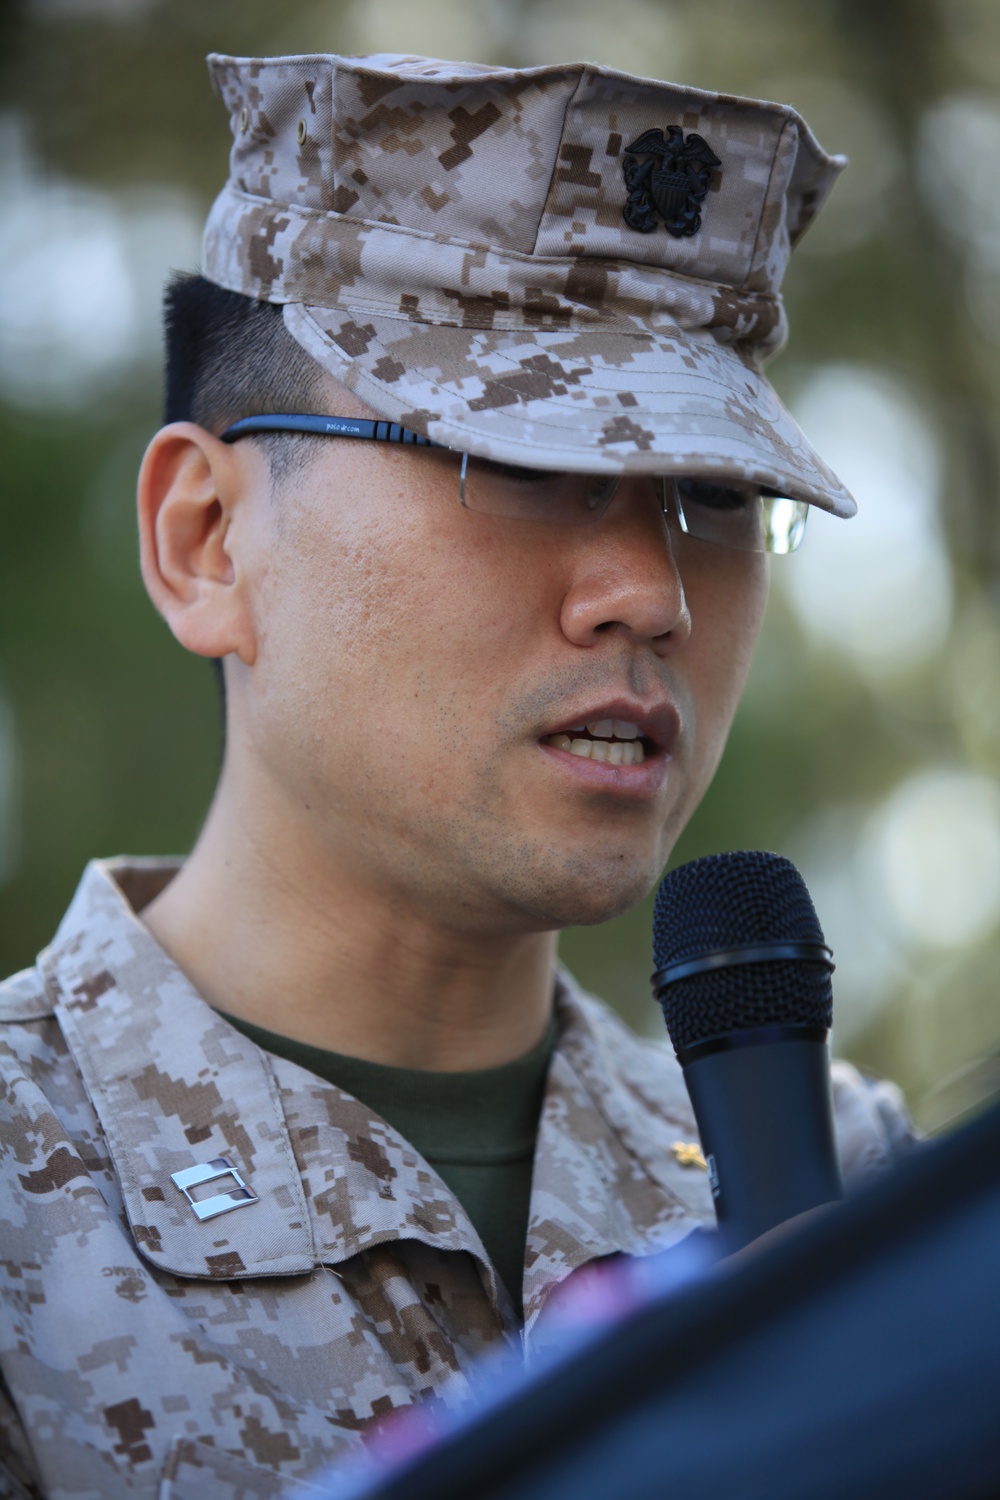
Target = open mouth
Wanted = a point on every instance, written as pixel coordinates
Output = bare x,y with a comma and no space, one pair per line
613,741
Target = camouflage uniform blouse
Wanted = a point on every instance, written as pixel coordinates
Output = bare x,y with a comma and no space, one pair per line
144,1352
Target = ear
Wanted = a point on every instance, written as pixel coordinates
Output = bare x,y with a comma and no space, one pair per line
190,493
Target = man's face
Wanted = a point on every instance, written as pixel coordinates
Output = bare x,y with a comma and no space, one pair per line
416,662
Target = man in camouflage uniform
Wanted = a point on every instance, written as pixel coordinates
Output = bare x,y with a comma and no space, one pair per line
240,1095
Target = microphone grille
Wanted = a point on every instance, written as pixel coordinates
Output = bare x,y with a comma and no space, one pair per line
731,901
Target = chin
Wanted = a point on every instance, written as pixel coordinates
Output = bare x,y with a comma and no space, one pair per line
585,897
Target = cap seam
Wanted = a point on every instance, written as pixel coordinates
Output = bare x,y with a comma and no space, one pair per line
390,311
498,323
398,317
763,204
585,71
526,256
787,112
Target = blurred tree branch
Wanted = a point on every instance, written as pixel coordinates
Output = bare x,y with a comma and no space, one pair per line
903,54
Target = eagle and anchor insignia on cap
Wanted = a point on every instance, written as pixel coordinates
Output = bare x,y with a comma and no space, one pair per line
672,180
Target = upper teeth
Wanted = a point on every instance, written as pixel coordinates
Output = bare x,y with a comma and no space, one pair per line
616,742
607,729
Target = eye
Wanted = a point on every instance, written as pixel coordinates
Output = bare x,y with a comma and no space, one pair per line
715,496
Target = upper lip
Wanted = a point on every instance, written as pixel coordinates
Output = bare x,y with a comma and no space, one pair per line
658,723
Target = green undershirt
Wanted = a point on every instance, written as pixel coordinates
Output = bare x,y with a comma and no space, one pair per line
477,1130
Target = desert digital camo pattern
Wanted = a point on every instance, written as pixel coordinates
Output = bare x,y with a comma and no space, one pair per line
146,1354
448,241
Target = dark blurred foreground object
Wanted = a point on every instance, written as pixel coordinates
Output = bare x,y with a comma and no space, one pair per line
743,978
859,1356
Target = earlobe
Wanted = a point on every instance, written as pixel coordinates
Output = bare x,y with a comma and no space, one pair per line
190,490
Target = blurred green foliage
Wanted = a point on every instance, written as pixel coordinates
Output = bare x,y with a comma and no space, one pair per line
115,737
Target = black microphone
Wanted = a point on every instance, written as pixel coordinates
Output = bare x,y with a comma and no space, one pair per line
743,978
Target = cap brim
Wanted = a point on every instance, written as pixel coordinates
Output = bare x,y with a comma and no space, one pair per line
579,399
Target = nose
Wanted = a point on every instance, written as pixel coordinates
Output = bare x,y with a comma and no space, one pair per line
625,576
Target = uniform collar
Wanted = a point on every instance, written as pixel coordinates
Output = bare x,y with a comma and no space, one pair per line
174,1085
606,1178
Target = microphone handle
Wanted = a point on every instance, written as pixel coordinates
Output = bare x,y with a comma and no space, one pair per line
764,1107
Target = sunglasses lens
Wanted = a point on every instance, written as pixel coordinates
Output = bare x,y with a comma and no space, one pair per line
534,494
730,514
739,516
784,523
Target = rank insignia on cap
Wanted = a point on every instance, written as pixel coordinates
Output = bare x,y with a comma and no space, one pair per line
234,1194
672,180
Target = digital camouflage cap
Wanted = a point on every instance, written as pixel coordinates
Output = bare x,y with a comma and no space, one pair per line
561,267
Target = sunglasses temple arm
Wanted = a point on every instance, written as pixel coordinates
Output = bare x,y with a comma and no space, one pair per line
323,426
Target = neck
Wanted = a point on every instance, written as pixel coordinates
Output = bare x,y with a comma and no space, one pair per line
272,926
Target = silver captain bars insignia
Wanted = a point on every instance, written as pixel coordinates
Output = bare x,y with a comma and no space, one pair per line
236,1194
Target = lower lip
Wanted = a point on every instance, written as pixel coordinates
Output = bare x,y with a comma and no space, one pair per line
642,780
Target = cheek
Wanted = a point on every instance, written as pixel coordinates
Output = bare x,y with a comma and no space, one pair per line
391,622
329,600
727,604
343,637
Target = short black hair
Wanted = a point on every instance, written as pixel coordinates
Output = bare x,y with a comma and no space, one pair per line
230,356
